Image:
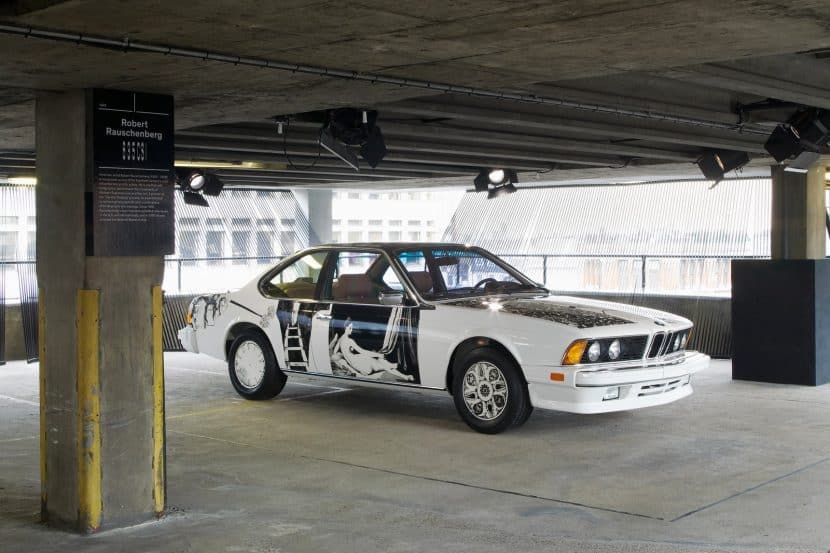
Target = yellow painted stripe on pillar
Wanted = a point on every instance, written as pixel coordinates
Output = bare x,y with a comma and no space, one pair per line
159,461
89,412
41,356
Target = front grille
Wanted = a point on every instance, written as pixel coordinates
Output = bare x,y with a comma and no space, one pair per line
656,345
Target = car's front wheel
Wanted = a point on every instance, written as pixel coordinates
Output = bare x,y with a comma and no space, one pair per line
253,367
489,391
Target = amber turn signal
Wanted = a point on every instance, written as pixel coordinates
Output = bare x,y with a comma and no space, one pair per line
574,352
557,377
189,317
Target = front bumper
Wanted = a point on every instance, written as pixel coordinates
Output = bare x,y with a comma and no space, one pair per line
583,391
187,337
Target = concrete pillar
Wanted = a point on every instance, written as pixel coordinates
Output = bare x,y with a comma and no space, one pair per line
101,373
319,216
798,213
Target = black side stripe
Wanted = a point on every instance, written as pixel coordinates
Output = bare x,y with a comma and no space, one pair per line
245,308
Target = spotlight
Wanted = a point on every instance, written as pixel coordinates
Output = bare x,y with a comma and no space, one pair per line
715,164
353,127
195,184
496,182
800,139
191,181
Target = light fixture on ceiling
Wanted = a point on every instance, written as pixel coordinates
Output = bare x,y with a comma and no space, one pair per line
714,164
801,139
22,181
195,184
496,182
348,127
250,165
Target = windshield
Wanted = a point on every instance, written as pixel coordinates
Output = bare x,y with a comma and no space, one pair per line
451,273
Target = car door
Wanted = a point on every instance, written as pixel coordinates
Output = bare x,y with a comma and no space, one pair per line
291,302
372,330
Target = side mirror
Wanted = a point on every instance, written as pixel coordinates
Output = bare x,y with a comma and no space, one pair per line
391,298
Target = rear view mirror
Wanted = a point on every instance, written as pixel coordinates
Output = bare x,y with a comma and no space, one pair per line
391,298
446,261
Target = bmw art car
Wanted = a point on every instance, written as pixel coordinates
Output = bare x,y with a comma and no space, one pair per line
444,317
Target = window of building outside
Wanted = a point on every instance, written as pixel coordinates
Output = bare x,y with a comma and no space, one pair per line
414,236
214,245
375,236
335,222
414,223
394,195
355,236
240,239
8,245
8,220
354,195
31,245
265,247
189,245
374,196
414,195
355,222
394,236
375,222
395,223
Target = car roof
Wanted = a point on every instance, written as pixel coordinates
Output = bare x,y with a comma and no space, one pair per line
395,246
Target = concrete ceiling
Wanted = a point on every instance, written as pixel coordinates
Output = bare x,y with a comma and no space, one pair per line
691,59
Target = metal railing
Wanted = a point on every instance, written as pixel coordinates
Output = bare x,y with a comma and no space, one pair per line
707,275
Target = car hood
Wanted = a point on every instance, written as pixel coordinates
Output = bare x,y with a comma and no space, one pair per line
572,311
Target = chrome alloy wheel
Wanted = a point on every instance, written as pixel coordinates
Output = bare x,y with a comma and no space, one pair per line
485,390
249,364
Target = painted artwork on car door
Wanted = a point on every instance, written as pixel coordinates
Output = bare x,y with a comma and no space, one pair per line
375,342
296,319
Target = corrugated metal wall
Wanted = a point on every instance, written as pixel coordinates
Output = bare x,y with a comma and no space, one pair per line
669,218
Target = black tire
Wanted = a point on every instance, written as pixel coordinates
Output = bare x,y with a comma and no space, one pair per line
251,386
487,414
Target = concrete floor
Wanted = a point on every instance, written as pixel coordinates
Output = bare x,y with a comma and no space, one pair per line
737,467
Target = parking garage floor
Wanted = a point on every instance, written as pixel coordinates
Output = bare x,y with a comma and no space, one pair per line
329,467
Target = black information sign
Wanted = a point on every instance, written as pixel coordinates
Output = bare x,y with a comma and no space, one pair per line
133,174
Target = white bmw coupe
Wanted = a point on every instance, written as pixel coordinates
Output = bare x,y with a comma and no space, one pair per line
444,317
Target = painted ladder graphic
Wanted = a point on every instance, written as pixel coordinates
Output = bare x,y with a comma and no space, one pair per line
294,343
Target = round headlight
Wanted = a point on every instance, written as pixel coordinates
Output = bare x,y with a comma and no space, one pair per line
676,343
593,352
614,350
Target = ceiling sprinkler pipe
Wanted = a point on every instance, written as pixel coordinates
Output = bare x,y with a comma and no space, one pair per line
128,45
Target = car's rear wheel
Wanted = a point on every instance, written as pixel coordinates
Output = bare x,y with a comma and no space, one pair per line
253,367
489,391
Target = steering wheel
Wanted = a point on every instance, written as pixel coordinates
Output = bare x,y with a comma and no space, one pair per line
485,281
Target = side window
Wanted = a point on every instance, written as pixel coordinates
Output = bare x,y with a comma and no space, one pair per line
415,264
352,281
298,280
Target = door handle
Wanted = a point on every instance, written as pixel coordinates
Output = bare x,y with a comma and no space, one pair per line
322,317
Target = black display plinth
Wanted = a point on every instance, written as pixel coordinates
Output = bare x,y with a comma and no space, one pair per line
781,321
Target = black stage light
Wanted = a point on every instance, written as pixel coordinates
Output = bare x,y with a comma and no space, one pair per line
353,127
801,138
496,182
783,143
715,164
195,183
